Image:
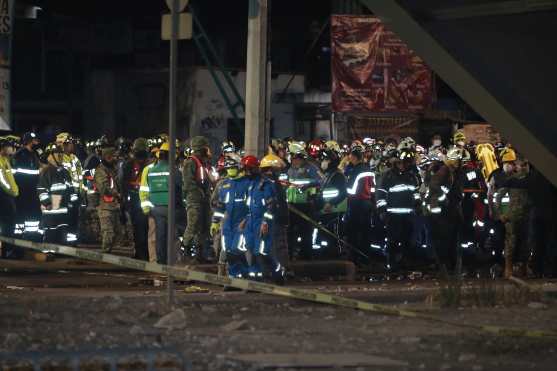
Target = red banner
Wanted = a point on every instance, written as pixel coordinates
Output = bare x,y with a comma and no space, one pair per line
373,70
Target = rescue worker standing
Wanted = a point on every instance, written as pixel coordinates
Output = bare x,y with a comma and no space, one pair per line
130,184
54,190
515,218
333,201
305,178
230,211
397,199
70,161
197,193
258,227
109,205
8,193
360,184
272,166
154,195
26,165
443,206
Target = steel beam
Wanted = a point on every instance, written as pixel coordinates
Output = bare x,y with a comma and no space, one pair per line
495,9
465,84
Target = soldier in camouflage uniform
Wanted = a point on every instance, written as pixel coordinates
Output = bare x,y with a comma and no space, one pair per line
515,217
197,190
109,205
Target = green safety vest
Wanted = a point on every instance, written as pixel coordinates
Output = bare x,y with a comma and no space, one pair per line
295,195
158,184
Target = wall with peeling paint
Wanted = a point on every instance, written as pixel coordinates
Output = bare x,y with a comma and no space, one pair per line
135,103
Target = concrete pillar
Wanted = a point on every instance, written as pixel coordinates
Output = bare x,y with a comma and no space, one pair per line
257,127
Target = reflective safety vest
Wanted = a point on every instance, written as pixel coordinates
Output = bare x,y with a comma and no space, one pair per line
7,181
331,193
157,181
108,198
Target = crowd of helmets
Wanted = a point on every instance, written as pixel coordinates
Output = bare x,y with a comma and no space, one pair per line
394,204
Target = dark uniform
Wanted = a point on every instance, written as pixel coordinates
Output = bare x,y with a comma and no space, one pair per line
397,197
26,166
443,200
54,191
130,184
360,184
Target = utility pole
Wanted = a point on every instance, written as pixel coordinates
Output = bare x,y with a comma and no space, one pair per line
175,12
257,125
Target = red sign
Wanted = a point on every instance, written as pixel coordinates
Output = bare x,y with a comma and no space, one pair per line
373,70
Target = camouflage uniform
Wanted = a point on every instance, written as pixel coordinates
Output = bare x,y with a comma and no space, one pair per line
109,206
197,193
515,218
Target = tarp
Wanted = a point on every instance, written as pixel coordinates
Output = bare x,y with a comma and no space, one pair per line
6,23
373,70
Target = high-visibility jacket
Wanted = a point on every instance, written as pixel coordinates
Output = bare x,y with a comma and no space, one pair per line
54,190
146,204
7,180
157,181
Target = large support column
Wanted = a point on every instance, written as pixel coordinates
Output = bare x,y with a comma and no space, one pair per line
256,79
465,84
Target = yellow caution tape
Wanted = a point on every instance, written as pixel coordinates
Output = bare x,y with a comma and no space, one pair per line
301,294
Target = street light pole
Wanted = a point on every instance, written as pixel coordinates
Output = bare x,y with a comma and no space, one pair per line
172,147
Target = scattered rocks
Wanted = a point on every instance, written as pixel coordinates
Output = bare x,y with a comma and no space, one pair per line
175,320
136,330
537,305
410,340
466,357
235,326
115,303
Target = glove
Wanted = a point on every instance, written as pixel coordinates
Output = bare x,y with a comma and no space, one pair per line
215,227
264,230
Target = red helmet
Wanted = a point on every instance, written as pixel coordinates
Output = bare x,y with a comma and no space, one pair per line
249,161
315,148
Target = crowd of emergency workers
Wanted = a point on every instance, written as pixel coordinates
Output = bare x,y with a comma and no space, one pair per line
457,207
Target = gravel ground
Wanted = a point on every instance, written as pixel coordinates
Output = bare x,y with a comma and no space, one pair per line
210,329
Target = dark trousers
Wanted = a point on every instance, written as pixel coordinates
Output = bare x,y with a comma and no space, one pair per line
140,227
400,230
160,214
7,225
300,233
358,225
444,240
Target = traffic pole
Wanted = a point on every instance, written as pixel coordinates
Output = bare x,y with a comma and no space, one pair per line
171,232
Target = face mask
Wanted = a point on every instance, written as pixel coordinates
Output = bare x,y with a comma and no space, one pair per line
460,143
324,165
508,168
232,173
437,142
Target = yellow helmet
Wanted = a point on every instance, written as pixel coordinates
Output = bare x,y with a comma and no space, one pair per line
165,147
297,148
508,155
459,136
272,161
62,138
332,146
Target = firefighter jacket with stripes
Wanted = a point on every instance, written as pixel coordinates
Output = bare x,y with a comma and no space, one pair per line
398,192
443,190
361,183
55,190
73,165
8,184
